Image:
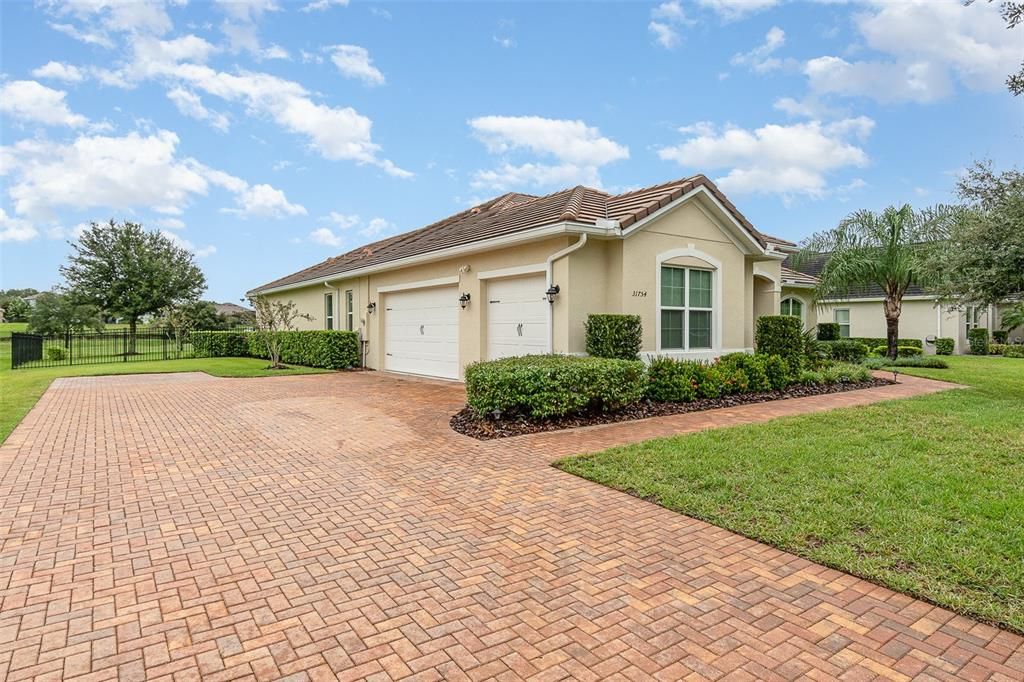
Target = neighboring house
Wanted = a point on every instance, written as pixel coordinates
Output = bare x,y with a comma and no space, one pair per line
860,313
232,309
477,285
31,300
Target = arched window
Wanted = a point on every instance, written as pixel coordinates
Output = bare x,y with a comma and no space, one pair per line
792,306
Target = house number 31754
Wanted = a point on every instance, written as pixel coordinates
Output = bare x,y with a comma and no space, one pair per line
637,293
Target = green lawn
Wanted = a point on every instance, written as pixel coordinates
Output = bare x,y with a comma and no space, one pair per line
924,495
21,388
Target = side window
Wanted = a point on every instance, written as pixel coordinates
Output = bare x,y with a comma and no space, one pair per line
328,311
349,313
841,316
792,306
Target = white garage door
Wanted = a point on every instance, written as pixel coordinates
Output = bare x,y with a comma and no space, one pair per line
517,317
421,332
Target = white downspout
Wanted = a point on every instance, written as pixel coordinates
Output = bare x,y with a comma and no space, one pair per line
550,281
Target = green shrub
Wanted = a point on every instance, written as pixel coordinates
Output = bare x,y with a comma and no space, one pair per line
944,346
56,354
1014,351
731,380
219,344
753,366
844,373
781,335
1000,335
330,349
810,377
930,361
614,336
828,331
978,340
542,386
996,348
672,381
901,351
845,350
875,341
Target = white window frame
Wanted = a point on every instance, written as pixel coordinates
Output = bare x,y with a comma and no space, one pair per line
714,266
799,300
329,310
848,324
349,310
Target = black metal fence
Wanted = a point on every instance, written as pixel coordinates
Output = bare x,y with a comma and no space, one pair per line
89,348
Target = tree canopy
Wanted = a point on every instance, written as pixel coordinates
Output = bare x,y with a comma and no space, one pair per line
128,271
57,314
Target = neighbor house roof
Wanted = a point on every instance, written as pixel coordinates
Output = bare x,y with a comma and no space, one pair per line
231,309
812,266
799,278
512,213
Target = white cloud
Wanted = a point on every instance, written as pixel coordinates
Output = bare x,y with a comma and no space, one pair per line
200,252
378,227
97,19
808,107
34,102
321,5
189,104
776,159
239,25
354,62
59,71
504,41
732,10
324,235
171,223
83,36
666,20
924,44
274,51
264,201
579,151
760,59
121,173
16,229
344,221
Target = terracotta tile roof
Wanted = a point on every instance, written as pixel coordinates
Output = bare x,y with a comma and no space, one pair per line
514,212
778,240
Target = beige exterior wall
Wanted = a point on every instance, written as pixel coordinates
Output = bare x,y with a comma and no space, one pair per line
605,275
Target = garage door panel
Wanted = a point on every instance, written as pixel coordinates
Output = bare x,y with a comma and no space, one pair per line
421,332
517,317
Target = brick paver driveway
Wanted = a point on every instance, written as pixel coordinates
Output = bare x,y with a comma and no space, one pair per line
184,527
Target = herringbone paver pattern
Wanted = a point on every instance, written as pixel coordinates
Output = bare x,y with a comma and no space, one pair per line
183,527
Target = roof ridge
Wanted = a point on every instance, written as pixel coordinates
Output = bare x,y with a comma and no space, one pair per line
574,203
680,181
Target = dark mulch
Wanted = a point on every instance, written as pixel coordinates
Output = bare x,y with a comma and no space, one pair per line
467,423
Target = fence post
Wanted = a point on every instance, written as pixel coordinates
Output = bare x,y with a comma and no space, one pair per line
124,345
165,345
71,348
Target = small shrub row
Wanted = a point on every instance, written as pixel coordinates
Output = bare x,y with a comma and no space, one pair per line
1014,351
313,348
843,350
543,386
901,351
1000,335
996,348
944,346
838,373
828,331
875,341
929,361
614,336
977,339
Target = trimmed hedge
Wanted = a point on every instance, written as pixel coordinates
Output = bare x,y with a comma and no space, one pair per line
978,340
944,346
219,344
901,351
844,350
330,349
929,361
542,386
614,336
1000,335
781,335
839,373
996,348
828,331
874,341
676,381
1014,351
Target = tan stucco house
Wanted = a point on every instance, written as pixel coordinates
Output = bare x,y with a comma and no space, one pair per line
859,314
519,274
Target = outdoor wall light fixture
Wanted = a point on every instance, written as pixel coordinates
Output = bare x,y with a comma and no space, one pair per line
553,291
371,308
464,301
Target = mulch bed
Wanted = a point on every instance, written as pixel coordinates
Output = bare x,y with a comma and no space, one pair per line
468,424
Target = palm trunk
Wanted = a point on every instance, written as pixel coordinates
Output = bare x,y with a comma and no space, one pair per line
893,308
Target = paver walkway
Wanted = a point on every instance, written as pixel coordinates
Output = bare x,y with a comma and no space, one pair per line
178,527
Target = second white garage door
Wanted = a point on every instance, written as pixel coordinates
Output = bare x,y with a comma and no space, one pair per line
421,332
517,317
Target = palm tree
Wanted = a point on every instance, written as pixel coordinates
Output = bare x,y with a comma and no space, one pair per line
888,249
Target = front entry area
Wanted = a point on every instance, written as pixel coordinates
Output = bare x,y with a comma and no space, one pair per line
517,317
421,332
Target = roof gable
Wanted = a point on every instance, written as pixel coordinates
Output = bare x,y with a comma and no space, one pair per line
513,213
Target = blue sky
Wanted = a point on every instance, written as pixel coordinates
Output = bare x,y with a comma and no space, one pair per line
266,136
